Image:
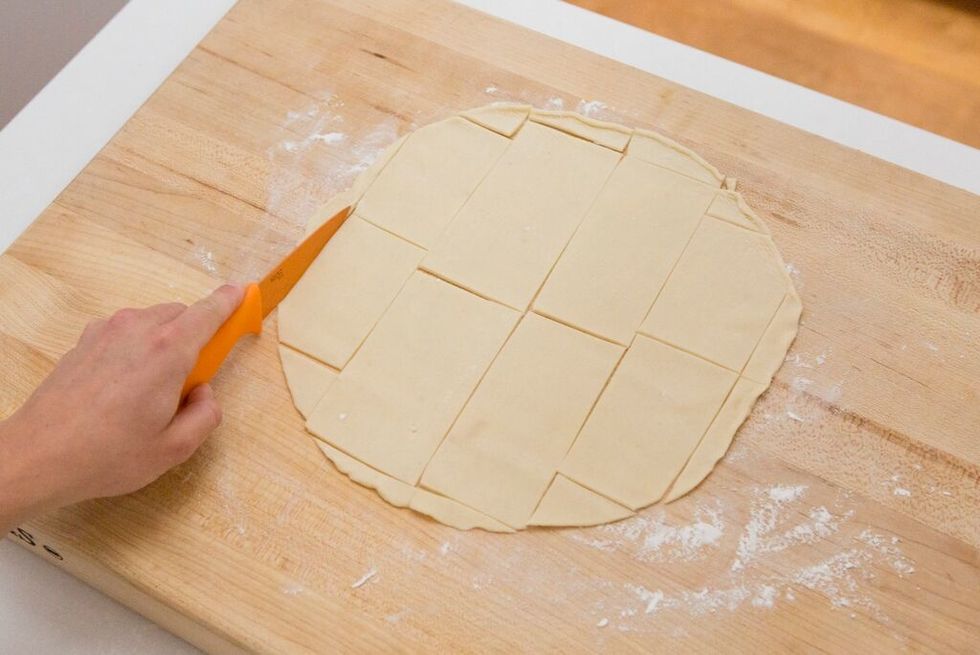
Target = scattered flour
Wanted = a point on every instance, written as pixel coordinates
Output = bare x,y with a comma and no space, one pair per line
481,580
888,548
319,155
794,273
292,589
765,597
786,493
653,538
832,393
554,103
794,416
895,485
363,580
652,599
838,578
205,258
591,108
801,384
413,554
702,601
767,531
798,406
602,623
759,576
805,360
330,138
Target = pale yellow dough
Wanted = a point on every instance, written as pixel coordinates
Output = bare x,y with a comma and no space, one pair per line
393,404
361,271
522,419
536,319
307,378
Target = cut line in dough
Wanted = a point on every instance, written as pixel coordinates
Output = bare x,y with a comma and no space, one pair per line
537,319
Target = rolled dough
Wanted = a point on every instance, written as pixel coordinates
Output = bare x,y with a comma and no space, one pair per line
536,319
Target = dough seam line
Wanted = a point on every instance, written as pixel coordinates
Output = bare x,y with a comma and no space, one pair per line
308,355
645,133
588,416
571,237
580,136
741,375
469,397
578,225
551,482
479,184
728,221
387,231
684,350
415,490
453,283
560,321
527,115
697,445
673,267
680,149
772,318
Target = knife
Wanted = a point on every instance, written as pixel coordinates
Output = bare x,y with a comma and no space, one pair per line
259,300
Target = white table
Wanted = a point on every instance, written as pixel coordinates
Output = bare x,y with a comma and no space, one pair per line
42,609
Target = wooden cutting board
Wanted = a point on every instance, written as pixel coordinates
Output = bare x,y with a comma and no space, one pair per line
845,518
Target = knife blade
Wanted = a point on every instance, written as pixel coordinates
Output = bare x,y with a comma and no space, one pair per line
260,299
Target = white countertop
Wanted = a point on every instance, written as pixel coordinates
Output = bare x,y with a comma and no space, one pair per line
42,609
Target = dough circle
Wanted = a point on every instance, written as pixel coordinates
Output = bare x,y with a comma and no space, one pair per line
534,318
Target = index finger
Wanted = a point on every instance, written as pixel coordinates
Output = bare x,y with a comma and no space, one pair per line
200,321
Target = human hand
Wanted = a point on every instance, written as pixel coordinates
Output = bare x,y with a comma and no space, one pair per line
108,419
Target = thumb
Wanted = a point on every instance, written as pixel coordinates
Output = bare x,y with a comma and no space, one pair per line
201,320
194,421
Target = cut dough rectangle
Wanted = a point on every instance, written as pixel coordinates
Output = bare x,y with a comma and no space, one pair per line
396,399
729,206
605,134
651,147
719,436
429,178
307,378
504,448
504,119
721,296
345,291
569,503
616,263
649,419
769,354
509,233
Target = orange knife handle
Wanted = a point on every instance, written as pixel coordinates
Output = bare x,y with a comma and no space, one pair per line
247,319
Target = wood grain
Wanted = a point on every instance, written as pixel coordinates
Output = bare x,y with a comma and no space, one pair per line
844,519
914,60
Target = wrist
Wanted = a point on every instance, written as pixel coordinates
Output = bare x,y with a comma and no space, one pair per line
25,487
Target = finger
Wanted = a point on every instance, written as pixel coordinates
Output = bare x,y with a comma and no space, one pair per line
164,313
200,321
194,421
